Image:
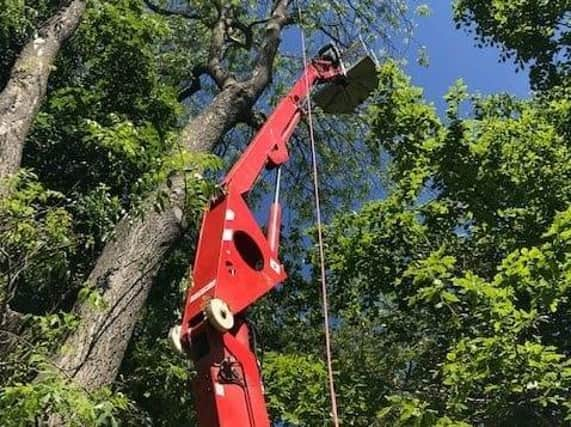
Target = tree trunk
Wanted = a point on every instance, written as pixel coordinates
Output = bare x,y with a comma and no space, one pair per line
127,267
21,99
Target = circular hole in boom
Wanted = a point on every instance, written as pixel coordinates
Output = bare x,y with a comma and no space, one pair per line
249,250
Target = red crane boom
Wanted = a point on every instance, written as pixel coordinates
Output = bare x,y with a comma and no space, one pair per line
236,264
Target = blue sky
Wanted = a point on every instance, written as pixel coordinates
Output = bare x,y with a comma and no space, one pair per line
453,55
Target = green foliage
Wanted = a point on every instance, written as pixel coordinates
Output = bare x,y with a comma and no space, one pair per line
410,411
296,387
35,236
497,362
423,10
532,33
155,376
509,160
92,297
406,127
49,328
52,394
85,122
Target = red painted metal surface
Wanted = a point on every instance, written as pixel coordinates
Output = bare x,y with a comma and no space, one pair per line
228,388
237,263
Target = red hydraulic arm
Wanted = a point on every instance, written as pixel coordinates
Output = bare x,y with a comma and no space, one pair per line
236,264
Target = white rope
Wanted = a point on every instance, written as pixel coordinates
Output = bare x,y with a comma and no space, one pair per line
324,299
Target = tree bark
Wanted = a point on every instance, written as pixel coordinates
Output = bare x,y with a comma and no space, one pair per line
10,328
128,264
127,267
21,98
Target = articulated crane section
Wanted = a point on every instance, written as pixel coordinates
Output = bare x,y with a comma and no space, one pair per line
237,263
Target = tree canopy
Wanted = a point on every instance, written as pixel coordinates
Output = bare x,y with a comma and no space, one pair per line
464,267
449,296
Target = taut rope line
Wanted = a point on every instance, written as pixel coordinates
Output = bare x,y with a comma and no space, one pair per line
324,299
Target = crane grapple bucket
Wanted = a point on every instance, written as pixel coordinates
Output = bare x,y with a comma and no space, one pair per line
345,95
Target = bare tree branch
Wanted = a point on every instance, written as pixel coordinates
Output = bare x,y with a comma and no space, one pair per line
194,85
216,51
246,30
333,37
262,74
